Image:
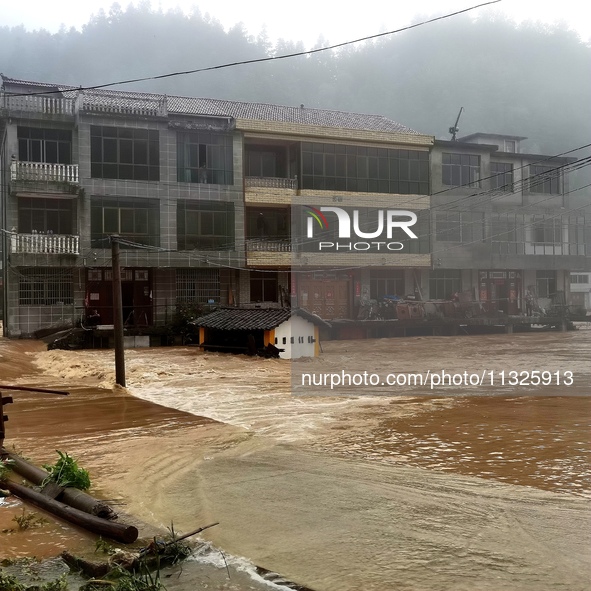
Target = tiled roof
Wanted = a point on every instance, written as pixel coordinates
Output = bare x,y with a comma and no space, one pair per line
235,109
284,114
252,318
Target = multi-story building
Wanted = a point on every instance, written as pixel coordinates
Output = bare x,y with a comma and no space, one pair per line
228,203
201,194
503,227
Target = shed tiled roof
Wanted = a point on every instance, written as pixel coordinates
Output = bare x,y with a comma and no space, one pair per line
252,318
177,105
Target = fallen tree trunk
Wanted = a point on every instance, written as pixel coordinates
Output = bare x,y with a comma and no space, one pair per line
70,496
116,531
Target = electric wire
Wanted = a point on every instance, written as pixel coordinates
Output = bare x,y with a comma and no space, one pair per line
270,58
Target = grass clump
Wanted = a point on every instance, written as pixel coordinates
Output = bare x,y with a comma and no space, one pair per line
66,472
5,468
28,520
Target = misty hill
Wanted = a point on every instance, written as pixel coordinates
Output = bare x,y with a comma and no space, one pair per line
525,80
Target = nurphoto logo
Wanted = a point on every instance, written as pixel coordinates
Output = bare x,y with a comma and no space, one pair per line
377,239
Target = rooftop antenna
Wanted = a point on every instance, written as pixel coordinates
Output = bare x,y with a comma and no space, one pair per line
454,130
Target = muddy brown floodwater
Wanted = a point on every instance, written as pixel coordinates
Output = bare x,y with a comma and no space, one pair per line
462,487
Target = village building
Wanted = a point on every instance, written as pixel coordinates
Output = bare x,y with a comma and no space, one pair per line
223,203
289,333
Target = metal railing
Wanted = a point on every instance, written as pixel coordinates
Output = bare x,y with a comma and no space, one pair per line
268,245
44,243
270,182
43,171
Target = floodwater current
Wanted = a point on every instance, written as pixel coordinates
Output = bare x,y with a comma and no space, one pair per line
471,486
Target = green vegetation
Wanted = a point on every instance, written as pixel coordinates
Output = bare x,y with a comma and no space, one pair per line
185,313
60,584
5,468
28,520
66,472
104,547
10,583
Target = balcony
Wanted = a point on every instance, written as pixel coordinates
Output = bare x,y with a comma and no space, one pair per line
269,189
95,102
270,182
257,245
43,172
268,253
44,244
44,105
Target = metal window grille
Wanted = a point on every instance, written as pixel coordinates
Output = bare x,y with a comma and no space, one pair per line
198,285
46,287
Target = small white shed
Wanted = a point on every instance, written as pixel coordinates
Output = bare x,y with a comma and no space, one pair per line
294,331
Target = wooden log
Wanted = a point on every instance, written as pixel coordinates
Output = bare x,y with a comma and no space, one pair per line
120,532
31,389
70,496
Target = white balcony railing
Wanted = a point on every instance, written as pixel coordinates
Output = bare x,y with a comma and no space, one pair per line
42,171
143,107
270,182
40,104
44,244
268,245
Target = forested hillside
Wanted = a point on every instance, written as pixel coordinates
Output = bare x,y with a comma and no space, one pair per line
525,80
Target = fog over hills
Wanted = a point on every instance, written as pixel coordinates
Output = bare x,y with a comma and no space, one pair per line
528,80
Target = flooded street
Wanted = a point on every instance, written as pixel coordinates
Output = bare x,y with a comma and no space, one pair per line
477,486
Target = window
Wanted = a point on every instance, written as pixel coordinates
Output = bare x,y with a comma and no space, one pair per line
456,226
45,287
385,283
546,283
53,146
205,157
124,153
444,283
263,286
268,224
547,230
56,216
580,278
198,285
266,161
336,167
133,218
577,229
501,176
205,225
461,170
447,226
510,146
544,179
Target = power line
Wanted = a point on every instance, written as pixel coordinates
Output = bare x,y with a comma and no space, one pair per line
267,59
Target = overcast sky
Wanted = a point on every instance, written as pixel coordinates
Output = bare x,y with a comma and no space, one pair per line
304,20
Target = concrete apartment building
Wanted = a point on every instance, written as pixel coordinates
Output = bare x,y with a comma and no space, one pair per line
202,191
502,223
228,203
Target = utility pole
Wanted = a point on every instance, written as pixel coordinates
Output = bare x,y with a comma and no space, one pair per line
117,313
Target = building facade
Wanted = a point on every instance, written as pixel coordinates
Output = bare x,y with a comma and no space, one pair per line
580,291
503,226
226,203
204,196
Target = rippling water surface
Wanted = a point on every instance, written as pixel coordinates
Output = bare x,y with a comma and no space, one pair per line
308,485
